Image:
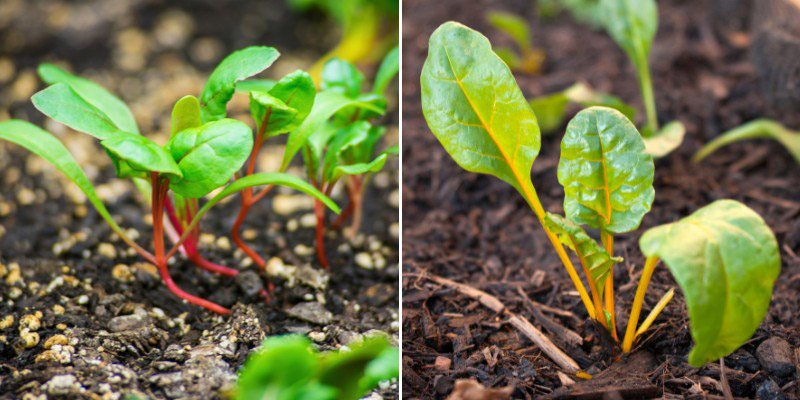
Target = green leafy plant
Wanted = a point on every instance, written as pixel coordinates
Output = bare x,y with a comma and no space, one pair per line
529,59
203,153
289,368
551,110
760,128
369,29
342,145
477,112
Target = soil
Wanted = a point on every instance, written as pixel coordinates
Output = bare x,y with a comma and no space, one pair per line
477,230
107,327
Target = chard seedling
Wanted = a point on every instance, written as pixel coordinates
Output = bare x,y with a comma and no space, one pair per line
289,368
343,146
760,128
475,109
203,153
529,60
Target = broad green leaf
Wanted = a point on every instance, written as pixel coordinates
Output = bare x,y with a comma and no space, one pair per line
278,115
239,65
383,368
282,364
378,101
726,260
296,90
666,140
632,24
326,104
45,145
573,236
476,110
389,68
186,114
314,149
135,155
116,110
360,168
760,128
342,77
345,370
249,85
364,150
550,110
345,138
606,173
514,26
61,103
209,155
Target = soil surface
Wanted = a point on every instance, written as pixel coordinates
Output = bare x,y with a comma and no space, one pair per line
81,315
477,230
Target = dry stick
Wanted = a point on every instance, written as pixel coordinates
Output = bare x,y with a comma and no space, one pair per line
534,334
726,388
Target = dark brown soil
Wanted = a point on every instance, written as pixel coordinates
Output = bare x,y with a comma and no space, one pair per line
477,230
128,334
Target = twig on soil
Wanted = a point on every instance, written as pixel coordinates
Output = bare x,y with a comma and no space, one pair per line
726,388
559,330
534,334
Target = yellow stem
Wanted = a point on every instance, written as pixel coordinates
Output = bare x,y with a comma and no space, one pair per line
608,241
636,309
598,306
654,313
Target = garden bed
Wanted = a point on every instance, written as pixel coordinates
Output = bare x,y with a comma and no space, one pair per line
108,327
476,230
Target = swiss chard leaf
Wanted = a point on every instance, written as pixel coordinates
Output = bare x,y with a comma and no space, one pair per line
342,77
725,259
297,91
633,25
280,114
250,85
314,149
760,128
551,110
326,104
346,371
61,103
345,138
186,114
360,168
606,173
209,155
666,140
239,65
476,110
282,366
94,94
135,155
513,26
573,236
389,68
45,145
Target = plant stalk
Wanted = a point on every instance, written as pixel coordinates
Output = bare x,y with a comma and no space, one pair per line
608,242
598,305
636,309
648,98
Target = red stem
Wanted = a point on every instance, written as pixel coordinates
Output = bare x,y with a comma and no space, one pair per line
319,210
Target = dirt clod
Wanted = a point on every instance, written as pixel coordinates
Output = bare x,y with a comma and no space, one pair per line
775,355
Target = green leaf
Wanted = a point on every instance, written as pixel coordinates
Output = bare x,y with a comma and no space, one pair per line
726,260
606,174
61,103
632,24
582,94
280,114
360,168
345,138
315,148
116,110
209,155
45,145
513,26
587,12
345,370
249,85
342,77
378,101
362,152
476,110
134,155
326,104
666,140
593,254
508,56
389,68
550,110
759,128
186,114
383,368
239,65
282,364
296,90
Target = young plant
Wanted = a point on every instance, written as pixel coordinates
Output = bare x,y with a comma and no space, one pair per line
529,60
289,368
343,147
551,110
477,112
369,29
203,153
760,128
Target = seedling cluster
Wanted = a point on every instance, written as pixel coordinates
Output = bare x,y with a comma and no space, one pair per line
723,256
206,150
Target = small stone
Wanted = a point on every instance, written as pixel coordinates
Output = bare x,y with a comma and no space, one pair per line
318,337
7,322
29,322
769,390
276,267
137,320
3,270
394,230
775,355
55,339
303,250
442,363
249,234
308,220
58,309
23,87
292,225
122,273
207,239
61,385
61,327
29,339
146,268
378,261
107,250
250,282
382,180
7,69
14,293
246,262
348,338
14,276
223,243
285,204
364,260
83,299
311,312
394,199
